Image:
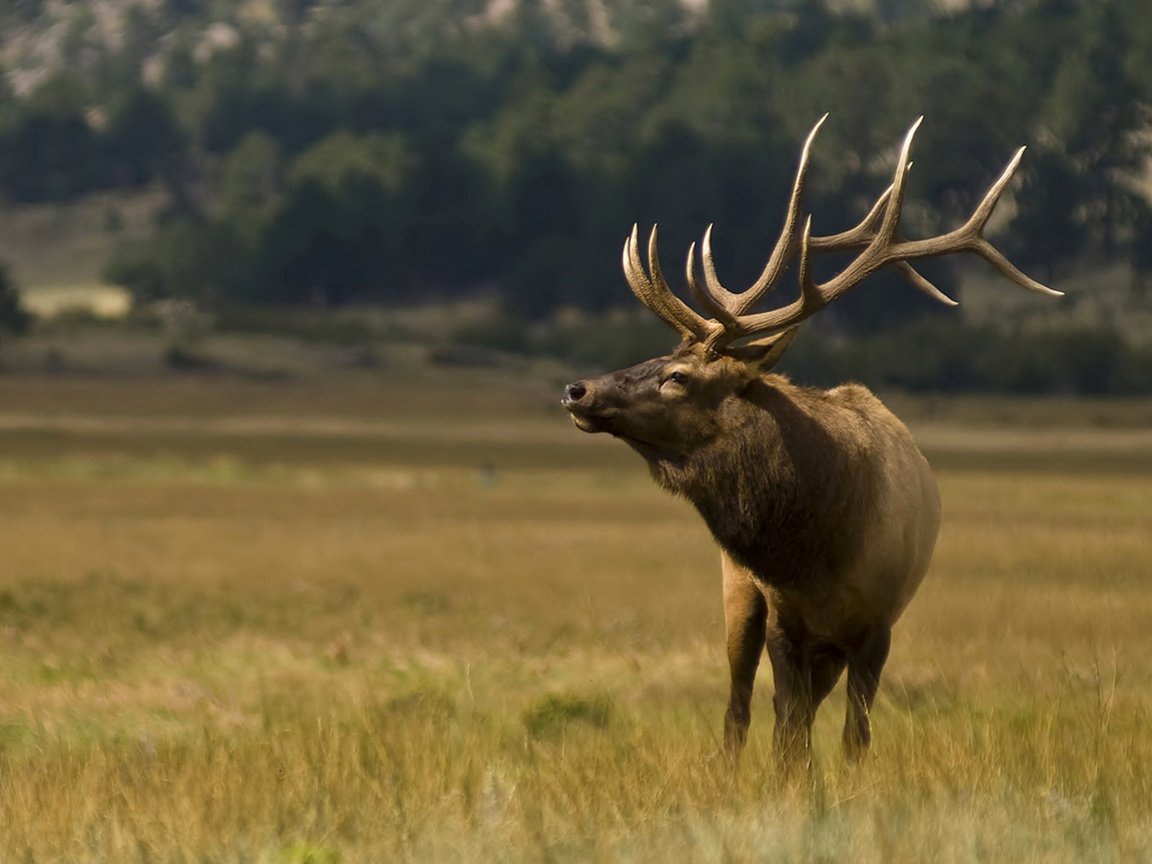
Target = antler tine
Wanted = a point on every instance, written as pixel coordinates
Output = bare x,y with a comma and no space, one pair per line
637,278
699,327
810,297
891,220
706,299
639,282
651,289
976,224
925,285
861,235
718,294
782,252
983,211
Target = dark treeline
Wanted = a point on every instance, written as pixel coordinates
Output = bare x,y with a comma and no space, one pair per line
398,150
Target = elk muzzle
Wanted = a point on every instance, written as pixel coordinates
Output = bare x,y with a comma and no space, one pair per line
582,402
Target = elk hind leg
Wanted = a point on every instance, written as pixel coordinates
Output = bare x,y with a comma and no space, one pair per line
805,674
827,665
864,667
745,617
791,673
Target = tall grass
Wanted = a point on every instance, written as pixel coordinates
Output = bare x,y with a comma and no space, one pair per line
225,648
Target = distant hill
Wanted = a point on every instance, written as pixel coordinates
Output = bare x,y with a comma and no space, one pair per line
400,152
38,39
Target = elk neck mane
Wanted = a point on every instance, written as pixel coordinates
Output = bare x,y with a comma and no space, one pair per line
788,482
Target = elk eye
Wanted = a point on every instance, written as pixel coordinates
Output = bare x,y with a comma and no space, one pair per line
678,378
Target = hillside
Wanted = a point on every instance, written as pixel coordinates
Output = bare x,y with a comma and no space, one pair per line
386,155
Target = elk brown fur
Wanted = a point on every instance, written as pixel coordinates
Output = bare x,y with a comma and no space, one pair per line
825,511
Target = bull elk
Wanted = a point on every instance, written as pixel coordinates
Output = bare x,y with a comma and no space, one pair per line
824,508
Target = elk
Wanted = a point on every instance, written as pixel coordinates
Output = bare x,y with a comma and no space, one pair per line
825,510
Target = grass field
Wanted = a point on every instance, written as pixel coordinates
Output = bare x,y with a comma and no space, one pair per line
375,620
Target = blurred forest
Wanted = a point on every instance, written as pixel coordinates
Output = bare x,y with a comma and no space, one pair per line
350,152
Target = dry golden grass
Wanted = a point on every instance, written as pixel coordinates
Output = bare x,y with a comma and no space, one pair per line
296,623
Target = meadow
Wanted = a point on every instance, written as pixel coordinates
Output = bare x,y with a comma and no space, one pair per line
385,619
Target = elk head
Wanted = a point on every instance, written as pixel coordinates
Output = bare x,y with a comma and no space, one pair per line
672,405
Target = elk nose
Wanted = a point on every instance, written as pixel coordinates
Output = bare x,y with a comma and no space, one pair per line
574,392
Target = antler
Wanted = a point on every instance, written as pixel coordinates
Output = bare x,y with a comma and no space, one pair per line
876,236
654,292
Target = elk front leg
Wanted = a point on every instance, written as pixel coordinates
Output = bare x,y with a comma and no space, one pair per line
864,667
745,617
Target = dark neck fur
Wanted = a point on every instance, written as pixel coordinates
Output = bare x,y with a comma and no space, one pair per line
767,485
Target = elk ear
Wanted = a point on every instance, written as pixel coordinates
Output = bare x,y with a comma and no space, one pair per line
760,355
